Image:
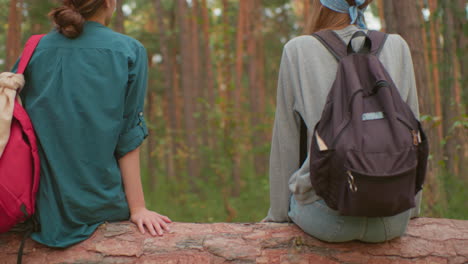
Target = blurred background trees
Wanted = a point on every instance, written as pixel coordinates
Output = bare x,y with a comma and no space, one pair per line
212,87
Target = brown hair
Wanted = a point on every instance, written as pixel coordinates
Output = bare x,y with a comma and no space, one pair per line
71,16
322,17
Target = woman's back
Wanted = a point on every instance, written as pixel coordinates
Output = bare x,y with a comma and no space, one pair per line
85,99
307,73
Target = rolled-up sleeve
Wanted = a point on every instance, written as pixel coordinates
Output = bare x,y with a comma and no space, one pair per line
134,129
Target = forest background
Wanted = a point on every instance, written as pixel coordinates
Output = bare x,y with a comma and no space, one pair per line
212,94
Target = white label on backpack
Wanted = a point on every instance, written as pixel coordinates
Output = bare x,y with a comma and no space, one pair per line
373,116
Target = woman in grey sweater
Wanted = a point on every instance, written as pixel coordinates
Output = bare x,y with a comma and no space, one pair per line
306,75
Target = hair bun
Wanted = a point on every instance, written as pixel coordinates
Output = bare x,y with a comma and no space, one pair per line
68,20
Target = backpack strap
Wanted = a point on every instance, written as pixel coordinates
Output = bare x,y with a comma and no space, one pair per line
338,48
22,117
28,51
378,41
332,42
20,113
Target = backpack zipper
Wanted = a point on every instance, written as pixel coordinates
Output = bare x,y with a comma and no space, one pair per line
415,137
351,184
414,133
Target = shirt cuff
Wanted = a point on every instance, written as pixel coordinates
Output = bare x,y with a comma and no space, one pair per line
276,218
131,139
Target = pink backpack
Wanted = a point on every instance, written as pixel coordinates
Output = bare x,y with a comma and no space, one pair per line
19,159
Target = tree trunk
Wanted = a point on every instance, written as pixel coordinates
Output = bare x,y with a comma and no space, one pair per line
305,14
425,48
225,86
188,93
461,79
177,94
404,17
451,110
256,84
207,52
169,154
260,136
391,18
201,130
436,134
178,106
381,7
236,124
119,18
431,98
149,112
240,36
209,90
408,25
13,45
168,82
462,47
427,241
231,122
434,35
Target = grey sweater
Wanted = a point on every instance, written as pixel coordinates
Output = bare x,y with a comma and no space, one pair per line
306,75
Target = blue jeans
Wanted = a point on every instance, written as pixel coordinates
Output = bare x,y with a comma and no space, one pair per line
324,223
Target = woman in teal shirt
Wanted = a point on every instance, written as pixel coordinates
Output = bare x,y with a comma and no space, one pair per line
85,88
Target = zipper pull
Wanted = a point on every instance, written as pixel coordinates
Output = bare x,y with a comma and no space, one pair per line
351,183
415,137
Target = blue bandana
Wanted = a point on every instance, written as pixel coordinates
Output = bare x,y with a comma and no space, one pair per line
356,14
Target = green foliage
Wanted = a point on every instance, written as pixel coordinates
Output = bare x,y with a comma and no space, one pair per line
210,199
453,202
3,30
175,199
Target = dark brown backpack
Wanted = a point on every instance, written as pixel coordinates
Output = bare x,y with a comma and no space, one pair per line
368,153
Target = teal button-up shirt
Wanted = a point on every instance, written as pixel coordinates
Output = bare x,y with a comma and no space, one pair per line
85,99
